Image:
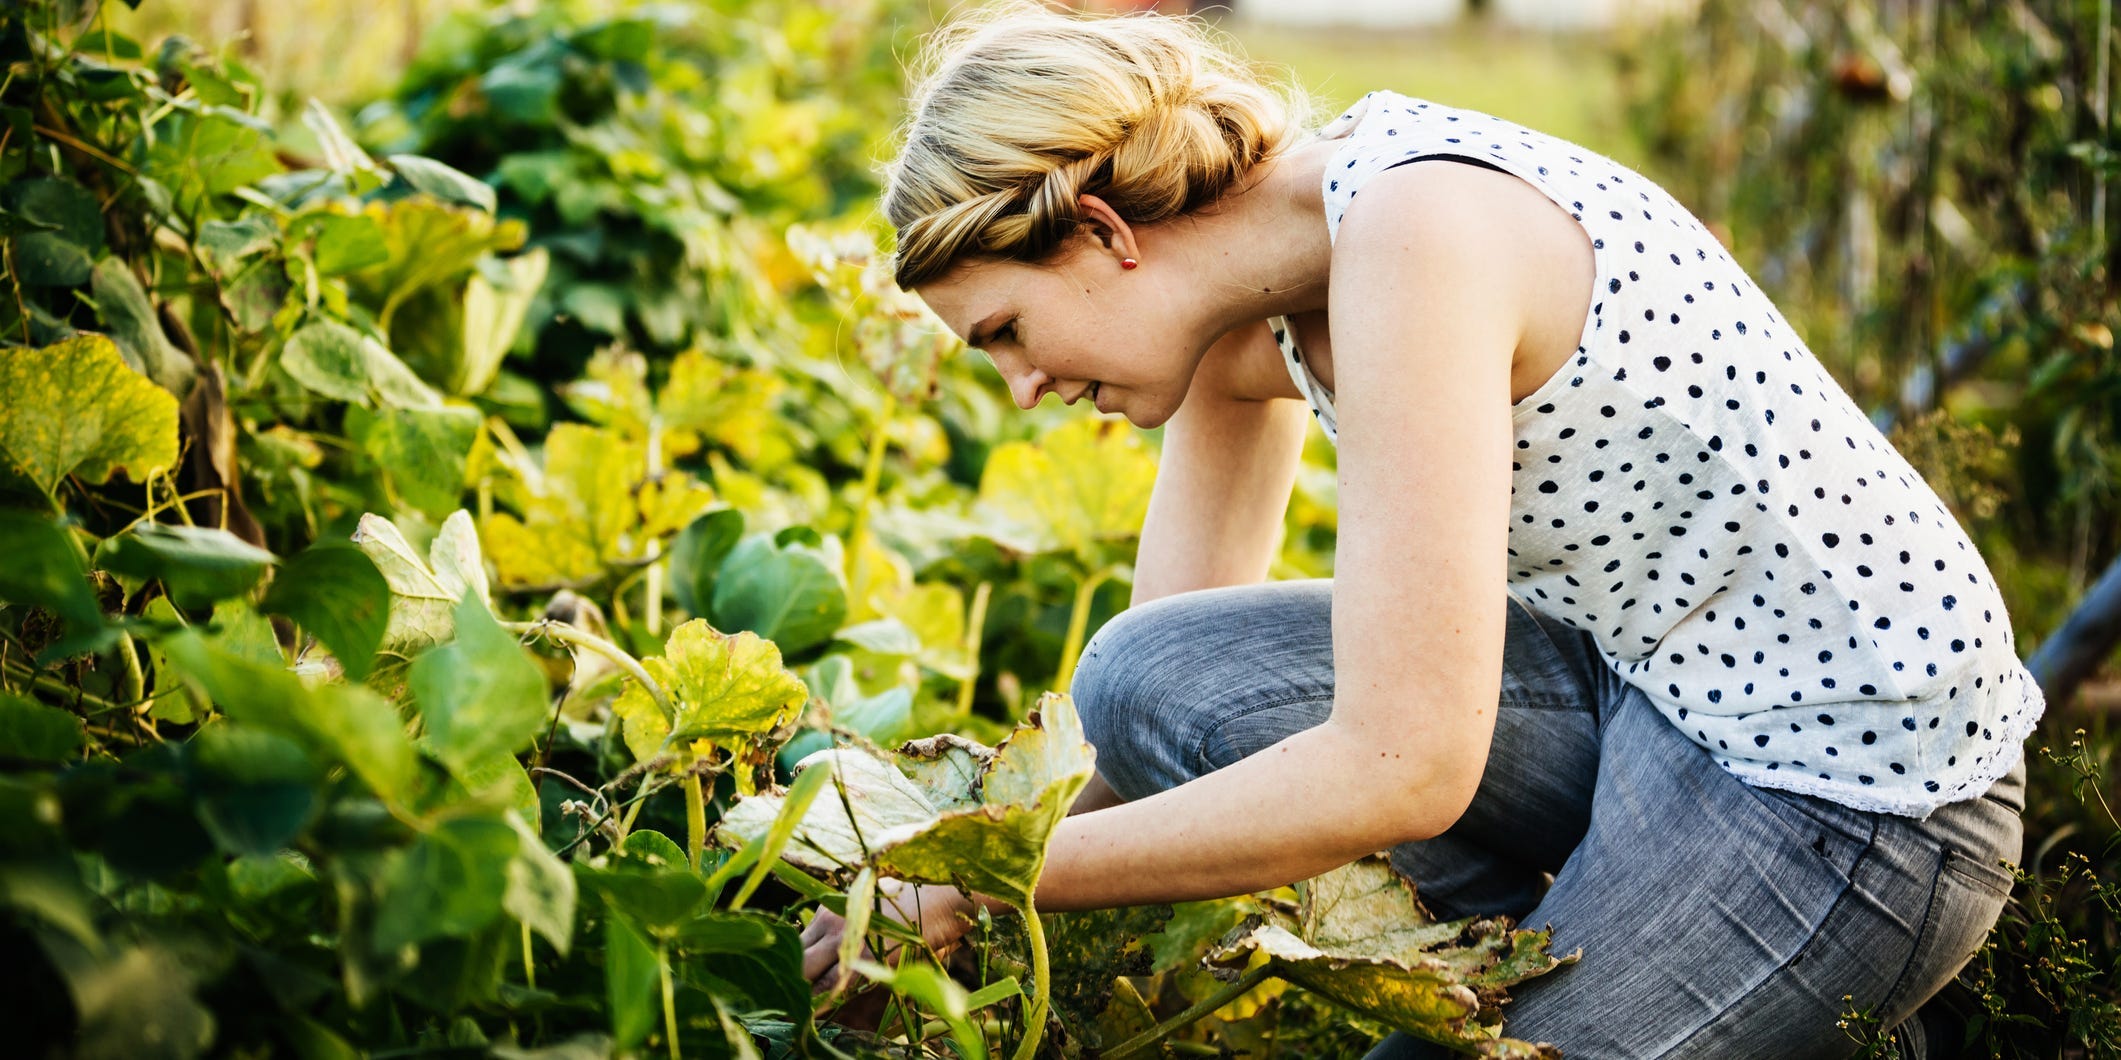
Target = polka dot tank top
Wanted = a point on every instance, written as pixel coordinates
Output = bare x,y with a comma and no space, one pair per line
1696,492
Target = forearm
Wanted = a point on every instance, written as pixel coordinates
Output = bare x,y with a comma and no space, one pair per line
1301,807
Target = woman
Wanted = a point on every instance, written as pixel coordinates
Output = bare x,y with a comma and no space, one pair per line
1629,591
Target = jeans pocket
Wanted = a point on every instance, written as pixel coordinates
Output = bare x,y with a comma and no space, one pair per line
1965,903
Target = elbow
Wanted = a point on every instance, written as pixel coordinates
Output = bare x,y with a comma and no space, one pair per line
1436,804
1405,793
1424,803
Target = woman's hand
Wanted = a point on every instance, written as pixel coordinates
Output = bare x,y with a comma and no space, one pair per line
943,914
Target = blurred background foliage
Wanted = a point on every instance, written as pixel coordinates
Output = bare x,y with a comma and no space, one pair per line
595,272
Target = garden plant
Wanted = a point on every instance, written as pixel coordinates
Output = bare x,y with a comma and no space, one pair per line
490,561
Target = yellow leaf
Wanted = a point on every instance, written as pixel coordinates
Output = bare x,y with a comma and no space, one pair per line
1085,481
75,408
588,509
724,687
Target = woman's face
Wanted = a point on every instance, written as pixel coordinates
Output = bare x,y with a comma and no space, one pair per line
1081,320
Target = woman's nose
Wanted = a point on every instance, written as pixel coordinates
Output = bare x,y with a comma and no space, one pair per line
1026,386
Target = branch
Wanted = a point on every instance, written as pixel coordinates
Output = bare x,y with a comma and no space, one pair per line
2088,635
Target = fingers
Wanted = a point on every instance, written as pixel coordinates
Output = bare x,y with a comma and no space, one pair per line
819,957
825,922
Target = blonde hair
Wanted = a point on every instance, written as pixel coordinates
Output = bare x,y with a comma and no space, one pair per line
1024,108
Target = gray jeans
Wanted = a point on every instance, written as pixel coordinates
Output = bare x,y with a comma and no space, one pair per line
1716,919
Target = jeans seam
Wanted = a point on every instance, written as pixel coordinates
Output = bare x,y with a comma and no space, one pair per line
1868,848
1200,751
1929,927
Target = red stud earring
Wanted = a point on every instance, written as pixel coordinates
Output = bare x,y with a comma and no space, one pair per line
1128,263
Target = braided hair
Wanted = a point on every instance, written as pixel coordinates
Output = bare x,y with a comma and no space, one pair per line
1024,109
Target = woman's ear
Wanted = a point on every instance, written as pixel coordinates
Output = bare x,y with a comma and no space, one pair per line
1103,222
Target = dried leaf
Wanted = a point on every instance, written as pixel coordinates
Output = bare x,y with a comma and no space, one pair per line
992,840
1361,938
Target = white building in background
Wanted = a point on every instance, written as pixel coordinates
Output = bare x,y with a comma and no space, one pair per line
1412,14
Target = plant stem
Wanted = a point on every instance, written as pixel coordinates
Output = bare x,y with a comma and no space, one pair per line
1035,1019
975,624
135,681
872,471
530,970
1078,621
581,638
1198,1009
654,589
695,819
670,1000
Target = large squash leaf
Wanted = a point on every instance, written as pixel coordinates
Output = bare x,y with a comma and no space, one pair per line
1360,937
988,836
724,687
588,507
75,408
1084,482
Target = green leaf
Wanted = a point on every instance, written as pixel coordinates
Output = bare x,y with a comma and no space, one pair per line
422,451
125,995
256,789
792,595
648,882
341,154
423,593
882,718
630,976
29,729
108,45
696,556
1360,938
338,362
443,182
449,883
126,311
334,591
1084,482
348,243
992,841
492,316
241,631
201,154
74,408
541,891
224,244
725,686
44,570
175,701
340,723
64,231
198,564
480,695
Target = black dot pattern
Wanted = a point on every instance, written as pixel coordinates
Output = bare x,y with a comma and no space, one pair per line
1697,493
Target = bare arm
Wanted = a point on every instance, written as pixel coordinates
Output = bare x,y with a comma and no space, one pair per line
1424,327
1223,482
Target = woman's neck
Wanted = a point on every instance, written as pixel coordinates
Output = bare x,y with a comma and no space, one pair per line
1264,250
